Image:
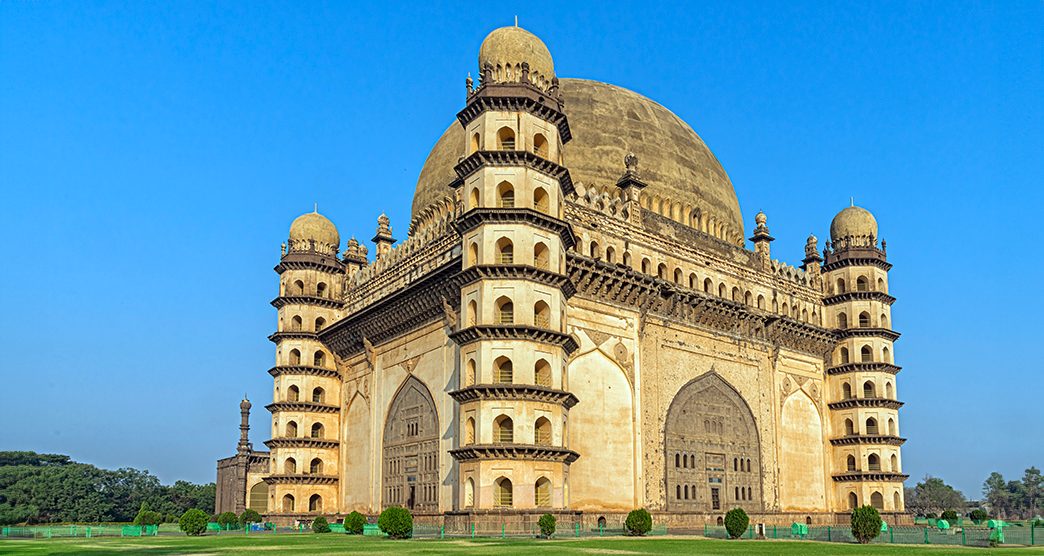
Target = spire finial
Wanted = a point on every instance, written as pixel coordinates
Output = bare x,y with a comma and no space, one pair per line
851,201
315,208
516,21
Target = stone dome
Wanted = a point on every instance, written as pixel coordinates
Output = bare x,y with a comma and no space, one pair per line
314,226
508,47
853,221
607,122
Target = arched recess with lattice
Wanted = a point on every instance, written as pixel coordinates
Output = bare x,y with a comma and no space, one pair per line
411,450
711,424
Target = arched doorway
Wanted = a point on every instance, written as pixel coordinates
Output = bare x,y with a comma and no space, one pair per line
258,499
711,423
411,450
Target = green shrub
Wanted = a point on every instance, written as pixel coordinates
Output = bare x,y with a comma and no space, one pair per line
227,520
547,525
147,517
866,524
397,522
320,525
950,515
353,524
193,522
978,515
638,522
930,515
736,522
249,516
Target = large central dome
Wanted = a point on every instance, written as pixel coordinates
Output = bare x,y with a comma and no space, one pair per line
607,122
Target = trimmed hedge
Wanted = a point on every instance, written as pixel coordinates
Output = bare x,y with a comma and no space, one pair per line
736,522
353,524
547,525
320,525
249,516
638,522
397,522
193,522
866,524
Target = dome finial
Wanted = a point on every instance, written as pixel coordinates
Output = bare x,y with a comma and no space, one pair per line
516,21
851,201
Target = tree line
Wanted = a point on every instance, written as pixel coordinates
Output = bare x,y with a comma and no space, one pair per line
52,488
1016,499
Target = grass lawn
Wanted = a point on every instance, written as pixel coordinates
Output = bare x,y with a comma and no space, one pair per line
344,544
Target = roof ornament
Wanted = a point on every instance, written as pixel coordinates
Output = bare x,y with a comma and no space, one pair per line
516,21
631,163
315,208
470,84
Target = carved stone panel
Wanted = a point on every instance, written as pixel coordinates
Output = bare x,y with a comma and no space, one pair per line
411,450
711,446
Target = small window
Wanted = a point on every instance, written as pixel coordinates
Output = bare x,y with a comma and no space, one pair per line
320,289
290,466
543,492
318,395
295,357
293,394
871,426
502,493
842,321
317,430
475,142
540,145
505,251
542,315
851,463
866,354
291,429
320,323
503,370
862,285
844,356
541,201
318,359
503,430
846,391
316,467
315,503
869,391
506,139
505,311
849,428
543,432
864,320
542,373
505,195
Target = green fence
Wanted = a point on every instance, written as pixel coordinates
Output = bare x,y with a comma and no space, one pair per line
962,536
84,531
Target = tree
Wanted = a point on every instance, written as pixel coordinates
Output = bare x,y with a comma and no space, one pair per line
995,489
1032,487
950,516
978,515
147,517
320,525
736,522
249,516
933,496
397,522
866,524
638,522
547,525
227,520
353,524
193,522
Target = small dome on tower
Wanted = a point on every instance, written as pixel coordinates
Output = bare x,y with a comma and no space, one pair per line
245,404
853,221
506,48
314,226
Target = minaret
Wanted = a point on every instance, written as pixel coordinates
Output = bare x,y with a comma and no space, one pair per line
383,238
861,377
354,256
762,239
244,446
513,399
305,409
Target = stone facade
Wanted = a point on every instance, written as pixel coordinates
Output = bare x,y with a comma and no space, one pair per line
580,344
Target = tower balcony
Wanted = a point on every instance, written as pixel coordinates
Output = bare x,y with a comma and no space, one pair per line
858,296
876,439
303,370
487,332
302,406
530,273
304,299
868,367
301,442
868,332
869,476
301,479
481,215
518,392
517,452
277,337
851,403
525,159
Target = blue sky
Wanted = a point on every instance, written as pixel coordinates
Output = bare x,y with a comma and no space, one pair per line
152,156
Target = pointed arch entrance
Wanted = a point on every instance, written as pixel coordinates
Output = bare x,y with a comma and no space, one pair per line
411,450
712,456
